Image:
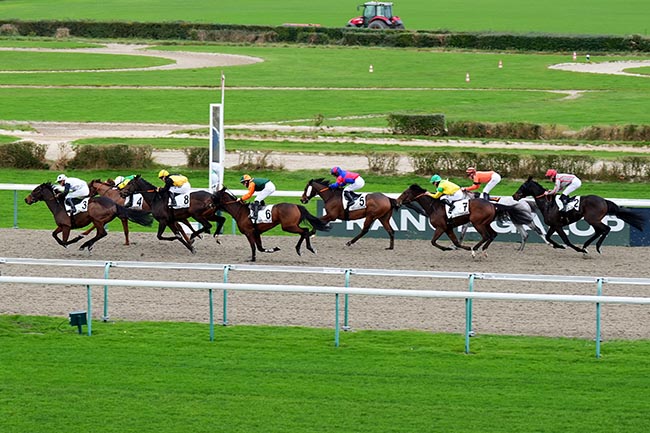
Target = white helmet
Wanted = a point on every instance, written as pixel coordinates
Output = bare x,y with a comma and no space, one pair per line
61,177
119,180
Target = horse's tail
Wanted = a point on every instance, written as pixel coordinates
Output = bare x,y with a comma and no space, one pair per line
516,214
137,216
631,217
315,222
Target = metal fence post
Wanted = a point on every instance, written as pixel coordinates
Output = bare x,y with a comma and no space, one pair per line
346,325
107,265
600,293
90,312
468,314
224,322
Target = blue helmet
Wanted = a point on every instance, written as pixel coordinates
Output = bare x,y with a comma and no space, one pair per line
435,178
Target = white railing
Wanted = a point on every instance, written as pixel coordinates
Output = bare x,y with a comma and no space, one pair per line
468,295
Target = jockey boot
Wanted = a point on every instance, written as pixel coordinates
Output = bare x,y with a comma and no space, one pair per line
485,196
70,202
565,200
255,207
128,201
349,196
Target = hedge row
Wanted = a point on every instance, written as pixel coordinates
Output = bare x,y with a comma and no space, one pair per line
328,35
453,164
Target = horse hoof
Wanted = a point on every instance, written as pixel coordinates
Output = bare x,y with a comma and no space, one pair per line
347,244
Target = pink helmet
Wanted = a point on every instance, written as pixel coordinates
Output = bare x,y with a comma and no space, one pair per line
335,171
551,172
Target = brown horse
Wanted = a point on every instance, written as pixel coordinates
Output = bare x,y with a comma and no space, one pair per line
481,214
100,211
592,208
378,207
288,215
201,208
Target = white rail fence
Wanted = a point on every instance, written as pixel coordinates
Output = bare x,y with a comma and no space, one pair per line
468,296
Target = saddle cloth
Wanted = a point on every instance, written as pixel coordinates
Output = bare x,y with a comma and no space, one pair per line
79,207
264,214
181,201
461,207
572,204
136,201
358,203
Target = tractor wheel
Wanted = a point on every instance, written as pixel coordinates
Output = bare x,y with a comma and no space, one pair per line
377,25
399,27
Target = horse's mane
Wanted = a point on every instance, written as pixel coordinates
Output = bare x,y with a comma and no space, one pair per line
147,184
417,188
320,180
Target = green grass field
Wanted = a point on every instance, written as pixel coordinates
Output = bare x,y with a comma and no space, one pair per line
553,16
168,377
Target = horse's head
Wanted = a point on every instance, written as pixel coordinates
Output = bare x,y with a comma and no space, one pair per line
42,192
137,184
530,187
410,194
223,197
312,188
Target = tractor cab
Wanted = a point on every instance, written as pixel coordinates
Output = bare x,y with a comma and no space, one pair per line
376,15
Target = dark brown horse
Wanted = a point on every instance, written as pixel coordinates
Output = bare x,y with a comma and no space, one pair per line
288,215
481,214
592,208
378,207
201,208
100,211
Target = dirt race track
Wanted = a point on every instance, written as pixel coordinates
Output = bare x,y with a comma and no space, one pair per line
490,317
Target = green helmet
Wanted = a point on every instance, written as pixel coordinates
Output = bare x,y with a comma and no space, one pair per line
435,178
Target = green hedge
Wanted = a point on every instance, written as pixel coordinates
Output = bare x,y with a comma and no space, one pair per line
331,35
23,154
417,124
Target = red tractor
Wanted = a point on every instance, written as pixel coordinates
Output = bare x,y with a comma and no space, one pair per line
376,15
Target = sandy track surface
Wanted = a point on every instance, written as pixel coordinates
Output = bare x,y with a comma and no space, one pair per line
490,317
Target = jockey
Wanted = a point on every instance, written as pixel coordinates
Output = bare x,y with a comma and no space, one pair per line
177,184
120,183
262,186
564,183
350,180
73,189
446,190
490,178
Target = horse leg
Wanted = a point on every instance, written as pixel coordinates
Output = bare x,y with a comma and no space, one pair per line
463,231
364,230
452,237
566,240
125,229
436,234
220,222
385,221
524,236
252,240
601,231
549,233
101,232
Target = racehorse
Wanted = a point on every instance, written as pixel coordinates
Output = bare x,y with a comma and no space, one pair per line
592,208
378,207
201,208
100,211
524,205
481,214
288,215
107,189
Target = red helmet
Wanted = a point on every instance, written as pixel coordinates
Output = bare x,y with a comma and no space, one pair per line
551,172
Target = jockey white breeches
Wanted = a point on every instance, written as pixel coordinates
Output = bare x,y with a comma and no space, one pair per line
358,183
269,189
496,178
183,189
575,184
458,195
80,193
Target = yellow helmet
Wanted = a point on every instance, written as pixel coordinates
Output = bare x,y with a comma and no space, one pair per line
245,178
162,173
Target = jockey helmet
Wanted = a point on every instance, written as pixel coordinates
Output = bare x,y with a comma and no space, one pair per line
163,173
61,178
335,171
435,178
118,180
551,172
470,170
245,178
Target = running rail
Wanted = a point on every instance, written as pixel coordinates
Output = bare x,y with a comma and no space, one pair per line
468,296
